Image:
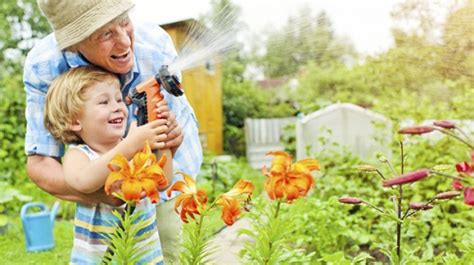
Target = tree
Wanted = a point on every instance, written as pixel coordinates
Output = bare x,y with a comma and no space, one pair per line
22,23
305,38
458,43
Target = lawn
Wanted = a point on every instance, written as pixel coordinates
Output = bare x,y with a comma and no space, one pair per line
13,250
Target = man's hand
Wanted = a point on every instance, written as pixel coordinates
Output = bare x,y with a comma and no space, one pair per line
47,173
175,134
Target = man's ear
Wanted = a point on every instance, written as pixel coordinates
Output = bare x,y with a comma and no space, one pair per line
75,126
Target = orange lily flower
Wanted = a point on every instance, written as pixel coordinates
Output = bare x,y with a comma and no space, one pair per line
287,180
190,200
142,173
230,203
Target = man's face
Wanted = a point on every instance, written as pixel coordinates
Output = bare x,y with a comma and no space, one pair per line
111,47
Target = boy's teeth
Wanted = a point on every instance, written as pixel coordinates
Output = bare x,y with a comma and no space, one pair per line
118,120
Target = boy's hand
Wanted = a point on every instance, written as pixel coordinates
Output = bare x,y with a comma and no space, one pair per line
154,132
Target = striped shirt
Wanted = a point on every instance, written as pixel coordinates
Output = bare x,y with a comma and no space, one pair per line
152,48
93,224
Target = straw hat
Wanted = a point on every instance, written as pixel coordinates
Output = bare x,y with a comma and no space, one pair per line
75,20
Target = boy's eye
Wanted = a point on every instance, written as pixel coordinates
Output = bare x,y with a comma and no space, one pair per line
119,100
103,102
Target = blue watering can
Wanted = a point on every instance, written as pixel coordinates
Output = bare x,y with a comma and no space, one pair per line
38,226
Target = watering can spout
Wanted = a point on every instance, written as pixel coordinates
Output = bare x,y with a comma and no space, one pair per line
54,212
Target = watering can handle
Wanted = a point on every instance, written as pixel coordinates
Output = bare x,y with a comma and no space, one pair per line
54,211
29,205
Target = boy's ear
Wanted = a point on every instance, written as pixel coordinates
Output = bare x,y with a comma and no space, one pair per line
75,126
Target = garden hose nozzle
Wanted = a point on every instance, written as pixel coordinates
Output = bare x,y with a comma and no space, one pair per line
146,94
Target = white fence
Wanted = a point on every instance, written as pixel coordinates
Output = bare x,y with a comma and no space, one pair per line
359,130
262,136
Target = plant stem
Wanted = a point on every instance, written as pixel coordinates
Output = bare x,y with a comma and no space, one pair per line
380,174
447,175
399,224
270,243
455,136
468,138
277,208
402,158
373,206
399,210
197,242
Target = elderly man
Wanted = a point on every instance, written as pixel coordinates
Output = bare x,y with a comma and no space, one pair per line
100,32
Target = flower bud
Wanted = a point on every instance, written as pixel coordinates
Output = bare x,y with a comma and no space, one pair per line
447,195
407,178
420,206
469,196
445,124
366,168
457,185
350,200
442,168
416,130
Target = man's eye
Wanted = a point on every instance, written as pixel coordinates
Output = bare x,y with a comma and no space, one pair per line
106,35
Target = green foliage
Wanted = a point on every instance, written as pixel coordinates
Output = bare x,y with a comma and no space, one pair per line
218,175
12,130
196,248
123,243
243,100
270,235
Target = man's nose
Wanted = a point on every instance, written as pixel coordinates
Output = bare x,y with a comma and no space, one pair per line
122,38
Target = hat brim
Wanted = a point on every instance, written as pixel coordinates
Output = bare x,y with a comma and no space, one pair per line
92,20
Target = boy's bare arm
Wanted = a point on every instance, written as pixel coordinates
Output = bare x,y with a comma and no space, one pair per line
87,176
47,173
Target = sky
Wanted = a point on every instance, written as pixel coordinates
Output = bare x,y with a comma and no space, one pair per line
366,23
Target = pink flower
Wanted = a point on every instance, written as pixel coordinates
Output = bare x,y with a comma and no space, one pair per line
416,130
350,200
407,178
469,196
445,124
420,206
464,167
457,185
447,195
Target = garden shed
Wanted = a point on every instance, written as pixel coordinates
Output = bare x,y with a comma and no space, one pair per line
202,87
343,125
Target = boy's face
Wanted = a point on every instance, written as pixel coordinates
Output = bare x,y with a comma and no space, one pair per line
103,118
111,47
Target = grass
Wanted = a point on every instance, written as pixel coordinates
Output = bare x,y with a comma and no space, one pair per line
13,250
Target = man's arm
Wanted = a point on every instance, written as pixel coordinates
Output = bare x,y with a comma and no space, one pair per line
47,173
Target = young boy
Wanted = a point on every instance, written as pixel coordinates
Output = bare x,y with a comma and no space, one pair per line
84,108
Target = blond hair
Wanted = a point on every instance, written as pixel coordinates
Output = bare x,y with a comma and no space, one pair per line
65,99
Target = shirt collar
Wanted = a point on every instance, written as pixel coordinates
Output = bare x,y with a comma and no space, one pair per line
75,59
